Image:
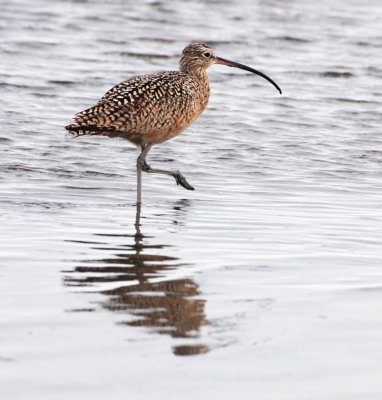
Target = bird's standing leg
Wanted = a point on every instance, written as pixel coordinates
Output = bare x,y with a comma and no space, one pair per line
138,235
143,166
139,174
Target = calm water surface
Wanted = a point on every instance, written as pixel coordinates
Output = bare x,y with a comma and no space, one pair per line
265,282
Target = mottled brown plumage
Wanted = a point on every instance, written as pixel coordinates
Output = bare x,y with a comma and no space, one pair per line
150,109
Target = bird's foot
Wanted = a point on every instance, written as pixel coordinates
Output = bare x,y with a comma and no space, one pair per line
181,180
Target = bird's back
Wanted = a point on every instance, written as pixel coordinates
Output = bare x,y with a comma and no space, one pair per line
145,109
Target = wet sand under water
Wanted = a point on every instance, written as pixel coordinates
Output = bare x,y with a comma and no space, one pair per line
265,282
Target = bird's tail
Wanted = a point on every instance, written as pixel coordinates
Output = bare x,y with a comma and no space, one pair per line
93,121
80,130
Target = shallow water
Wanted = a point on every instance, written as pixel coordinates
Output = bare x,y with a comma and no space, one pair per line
267,276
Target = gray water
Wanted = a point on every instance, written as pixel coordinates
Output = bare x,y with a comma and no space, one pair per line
263,283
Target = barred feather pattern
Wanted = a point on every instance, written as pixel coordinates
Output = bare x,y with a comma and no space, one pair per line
147,108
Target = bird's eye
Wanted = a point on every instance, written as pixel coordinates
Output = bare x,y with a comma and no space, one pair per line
207,54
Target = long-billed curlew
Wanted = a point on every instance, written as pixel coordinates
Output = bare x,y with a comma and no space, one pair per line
150,109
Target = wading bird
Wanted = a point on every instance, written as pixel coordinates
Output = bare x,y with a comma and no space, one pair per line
150,109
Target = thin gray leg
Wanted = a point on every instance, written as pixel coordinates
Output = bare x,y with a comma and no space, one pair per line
139,176
138,234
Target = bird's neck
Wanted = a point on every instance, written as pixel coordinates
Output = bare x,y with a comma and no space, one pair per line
199,73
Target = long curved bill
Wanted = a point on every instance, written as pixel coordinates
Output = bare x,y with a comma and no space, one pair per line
229,63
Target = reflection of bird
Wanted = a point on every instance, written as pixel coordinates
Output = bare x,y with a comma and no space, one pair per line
141,292
150,109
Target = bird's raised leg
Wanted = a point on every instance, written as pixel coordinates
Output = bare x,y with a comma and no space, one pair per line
179,178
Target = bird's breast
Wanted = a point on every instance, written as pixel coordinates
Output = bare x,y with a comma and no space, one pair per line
172,120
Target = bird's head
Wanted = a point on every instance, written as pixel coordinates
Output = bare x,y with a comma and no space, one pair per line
197,57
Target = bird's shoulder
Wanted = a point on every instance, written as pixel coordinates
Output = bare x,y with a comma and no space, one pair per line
151,86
